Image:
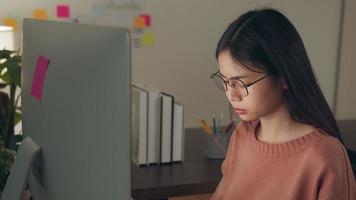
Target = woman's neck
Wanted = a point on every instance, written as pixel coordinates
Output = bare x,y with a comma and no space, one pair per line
279,127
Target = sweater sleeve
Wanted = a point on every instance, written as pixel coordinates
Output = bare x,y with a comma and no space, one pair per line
337,181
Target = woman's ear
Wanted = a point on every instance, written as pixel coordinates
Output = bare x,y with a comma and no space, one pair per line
284,85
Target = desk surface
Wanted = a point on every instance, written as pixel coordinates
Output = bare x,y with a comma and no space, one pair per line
198,174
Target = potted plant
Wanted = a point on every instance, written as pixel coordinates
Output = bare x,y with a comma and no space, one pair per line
7,157
10,112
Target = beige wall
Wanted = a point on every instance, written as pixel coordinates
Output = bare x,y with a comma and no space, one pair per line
186,34
346,90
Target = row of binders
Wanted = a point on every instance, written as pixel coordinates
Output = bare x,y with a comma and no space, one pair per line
157,127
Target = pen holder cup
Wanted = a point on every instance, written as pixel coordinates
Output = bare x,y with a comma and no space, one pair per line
217,145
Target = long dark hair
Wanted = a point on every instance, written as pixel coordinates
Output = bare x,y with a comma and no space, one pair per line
266,39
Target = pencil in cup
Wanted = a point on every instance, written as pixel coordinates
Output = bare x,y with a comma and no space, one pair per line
219,145
208,131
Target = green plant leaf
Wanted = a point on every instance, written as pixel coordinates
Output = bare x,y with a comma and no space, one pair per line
6,77
1,69
2,66
4,110
4,98
11,60
13,144
15,58
5,54
14,69
17,118
7,157
18,138
1,130
3,85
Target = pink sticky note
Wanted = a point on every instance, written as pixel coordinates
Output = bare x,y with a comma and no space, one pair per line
63,11
147,19
39,77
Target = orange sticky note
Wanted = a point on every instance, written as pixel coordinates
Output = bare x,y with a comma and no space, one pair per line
11,22
147,39
139,22
40,14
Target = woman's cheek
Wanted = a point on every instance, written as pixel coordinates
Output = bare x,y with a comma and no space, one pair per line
256,104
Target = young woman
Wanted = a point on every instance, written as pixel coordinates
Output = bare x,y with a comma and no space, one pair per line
287,145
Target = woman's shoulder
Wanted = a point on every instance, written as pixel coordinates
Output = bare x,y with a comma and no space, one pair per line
333,163
329,152
328,144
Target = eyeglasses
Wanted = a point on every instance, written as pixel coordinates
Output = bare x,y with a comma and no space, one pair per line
235,83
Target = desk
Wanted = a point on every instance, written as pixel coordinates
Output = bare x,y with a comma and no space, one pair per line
198,175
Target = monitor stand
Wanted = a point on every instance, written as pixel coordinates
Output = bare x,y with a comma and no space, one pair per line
18,177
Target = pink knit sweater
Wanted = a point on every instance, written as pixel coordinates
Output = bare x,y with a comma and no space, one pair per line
314,166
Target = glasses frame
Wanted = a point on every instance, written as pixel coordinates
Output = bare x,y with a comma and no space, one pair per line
227,82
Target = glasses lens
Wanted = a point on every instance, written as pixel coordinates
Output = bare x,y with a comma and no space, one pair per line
238,86
219,82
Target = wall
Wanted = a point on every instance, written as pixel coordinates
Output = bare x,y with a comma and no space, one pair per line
185,36
346,96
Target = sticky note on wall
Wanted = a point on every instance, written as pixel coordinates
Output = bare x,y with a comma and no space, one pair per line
39,77
40,14
147,19
63,11
11,22
98,10
147,39
139,22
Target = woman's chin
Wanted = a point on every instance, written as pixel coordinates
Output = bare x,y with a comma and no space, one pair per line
247,117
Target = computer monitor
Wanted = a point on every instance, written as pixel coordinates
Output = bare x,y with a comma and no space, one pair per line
82,120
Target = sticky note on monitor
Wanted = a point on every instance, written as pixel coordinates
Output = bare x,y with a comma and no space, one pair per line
11,22
63,11
39,77
40,14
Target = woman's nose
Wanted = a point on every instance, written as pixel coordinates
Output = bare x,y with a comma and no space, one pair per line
233,95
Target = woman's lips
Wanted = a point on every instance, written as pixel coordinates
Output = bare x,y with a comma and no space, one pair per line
240,111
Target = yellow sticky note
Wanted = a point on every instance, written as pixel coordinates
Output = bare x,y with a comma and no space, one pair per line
139,22
147,39
40,14
11,22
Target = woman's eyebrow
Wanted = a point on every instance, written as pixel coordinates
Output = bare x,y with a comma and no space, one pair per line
239,77
235,77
